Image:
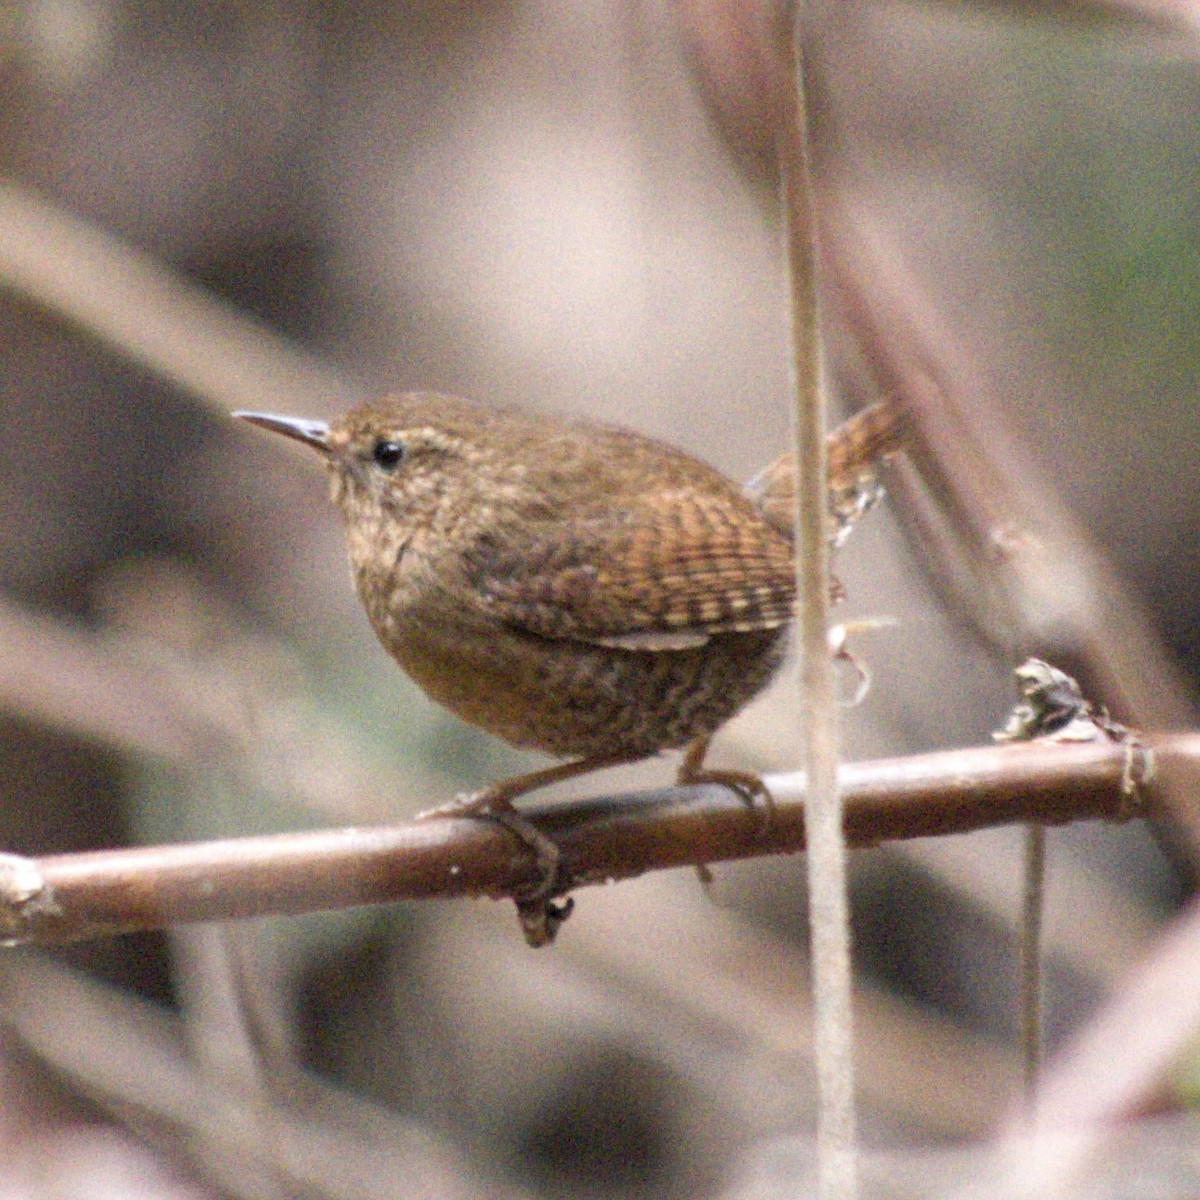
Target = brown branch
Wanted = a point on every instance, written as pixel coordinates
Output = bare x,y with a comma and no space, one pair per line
74,896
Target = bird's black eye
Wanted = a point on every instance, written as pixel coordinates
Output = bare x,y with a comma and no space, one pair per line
387,453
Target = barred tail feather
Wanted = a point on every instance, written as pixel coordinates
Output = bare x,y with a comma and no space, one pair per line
854,450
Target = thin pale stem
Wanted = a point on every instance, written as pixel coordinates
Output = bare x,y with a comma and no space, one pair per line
828,904
1033,898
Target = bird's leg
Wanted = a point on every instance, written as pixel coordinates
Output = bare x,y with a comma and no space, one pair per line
540,917
749,786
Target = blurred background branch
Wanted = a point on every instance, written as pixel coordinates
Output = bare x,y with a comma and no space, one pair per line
128,299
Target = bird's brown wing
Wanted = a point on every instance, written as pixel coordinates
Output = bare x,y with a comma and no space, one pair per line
694,566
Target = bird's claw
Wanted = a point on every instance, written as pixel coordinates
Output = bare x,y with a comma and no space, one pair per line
749,787
539,915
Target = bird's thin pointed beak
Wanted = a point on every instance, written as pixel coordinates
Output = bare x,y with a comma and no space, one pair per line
311,433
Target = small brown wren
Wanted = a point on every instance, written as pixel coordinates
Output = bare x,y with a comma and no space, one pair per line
577,589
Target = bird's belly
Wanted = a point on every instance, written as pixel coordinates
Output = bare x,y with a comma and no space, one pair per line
572,699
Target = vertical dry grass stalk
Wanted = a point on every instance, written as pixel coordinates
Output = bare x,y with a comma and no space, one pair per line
829,915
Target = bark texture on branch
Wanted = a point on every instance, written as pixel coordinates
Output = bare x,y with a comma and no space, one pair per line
70,897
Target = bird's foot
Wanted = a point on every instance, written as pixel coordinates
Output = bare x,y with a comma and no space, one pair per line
749,787
537,911
539,915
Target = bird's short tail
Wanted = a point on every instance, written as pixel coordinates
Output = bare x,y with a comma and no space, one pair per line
854,450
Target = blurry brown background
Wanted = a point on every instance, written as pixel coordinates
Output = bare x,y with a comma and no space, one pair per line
568,207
